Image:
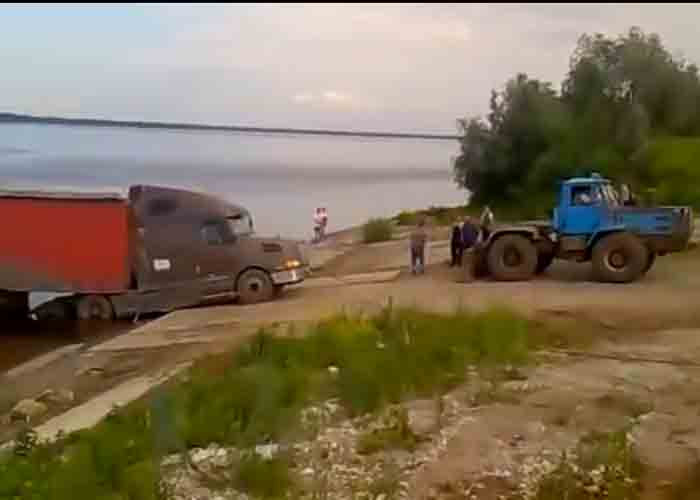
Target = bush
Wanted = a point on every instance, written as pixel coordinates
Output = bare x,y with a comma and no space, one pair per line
406,218
376,230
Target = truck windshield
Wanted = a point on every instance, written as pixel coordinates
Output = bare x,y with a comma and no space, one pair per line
240,225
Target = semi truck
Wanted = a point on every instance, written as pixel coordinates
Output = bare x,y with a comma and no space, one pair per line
155,250
590,223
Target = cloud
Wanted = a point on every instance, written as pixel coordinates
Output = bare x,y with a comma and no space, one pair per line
328,98
388,66
333,96
303,98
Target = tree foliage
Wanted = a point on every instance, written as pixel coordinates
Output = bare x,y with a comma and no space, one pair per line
619,98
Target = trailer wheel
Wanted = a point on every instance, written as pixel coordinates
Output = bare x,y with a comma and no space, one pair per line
255,286
544,260
54,310
512,257
92,307
619,258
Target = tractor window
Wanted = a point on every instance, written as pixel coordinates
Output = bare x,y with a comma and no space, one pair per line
581,196
588,195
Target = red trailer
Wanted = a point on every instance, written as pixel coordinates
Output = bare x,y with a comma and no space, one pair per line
78,243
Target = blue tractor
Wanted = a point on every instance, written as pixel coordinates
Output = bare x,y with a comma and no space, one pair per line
590,223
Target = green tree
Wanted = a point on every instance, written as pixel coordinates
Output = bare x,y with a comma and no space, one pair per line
620,96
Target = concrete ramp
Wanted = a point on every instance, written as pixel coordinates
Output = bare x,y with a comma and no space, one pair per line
92,412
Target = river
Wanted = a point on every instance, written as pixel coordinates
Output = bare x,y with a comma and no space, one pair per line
279,178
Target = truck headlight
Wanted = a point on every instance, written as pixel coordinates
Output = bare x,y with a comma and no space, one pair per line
291,264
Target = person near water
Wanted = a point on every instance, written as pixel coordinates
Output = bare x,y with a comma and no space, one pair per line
324,222
318,225
418,240
456,246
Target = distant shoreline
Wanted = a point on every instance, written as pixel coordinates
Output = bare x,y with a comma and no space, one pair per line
12,118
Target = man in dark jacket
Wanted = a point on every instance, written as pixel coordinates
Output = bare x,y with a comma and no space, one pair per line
456,246
469,234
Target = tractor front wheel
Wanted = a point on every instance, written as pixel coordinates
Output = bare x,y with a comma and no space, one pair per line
619,258
512,257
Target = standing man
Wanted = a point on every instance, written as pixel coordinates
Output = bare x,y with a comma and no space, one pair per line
470,238
470,232
324,222
418,239
486,222
456,245
318,225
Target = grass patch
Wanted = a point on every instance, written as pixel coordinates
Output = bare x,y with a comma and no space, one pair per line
263,478
396,434
625,403
255,395
605,467
407,218
388,483
376,230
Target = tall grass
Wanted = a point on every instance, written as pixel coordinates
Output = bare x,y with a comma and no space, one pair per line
376,230
255,394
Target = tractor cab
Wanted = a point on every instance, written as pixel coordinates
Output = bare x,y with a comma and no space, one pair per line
584,205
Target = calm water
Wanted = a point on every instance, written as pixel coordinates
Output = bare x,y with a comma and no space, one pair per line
280,178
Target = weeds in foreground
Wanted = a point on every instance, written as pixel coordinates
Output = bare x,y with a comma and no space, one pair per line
263,478
396,434
604,467
388,483
255,395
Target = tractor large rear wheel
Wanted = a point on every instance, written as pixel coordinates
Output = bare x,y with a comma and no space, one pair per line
619,258
512,257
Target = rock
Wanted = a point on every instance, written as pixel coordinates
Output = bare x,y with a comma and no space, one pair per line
199,455
267,451
93,371
61,397
307,472
28,410
171,460
123,367
423,416
513,373
381,496
333,370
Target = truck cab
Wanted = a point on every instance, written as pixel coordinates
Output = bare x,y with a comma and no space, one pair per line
198,245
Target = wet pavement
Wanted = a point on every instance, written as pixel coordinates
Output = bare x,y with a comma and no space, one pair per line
24,340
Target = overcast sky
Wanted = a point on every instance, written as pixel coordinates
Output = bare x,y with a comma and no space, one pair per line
411,67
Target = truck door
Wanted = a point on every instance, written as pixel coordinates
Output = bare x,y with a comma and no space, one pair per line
584,211
216,259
